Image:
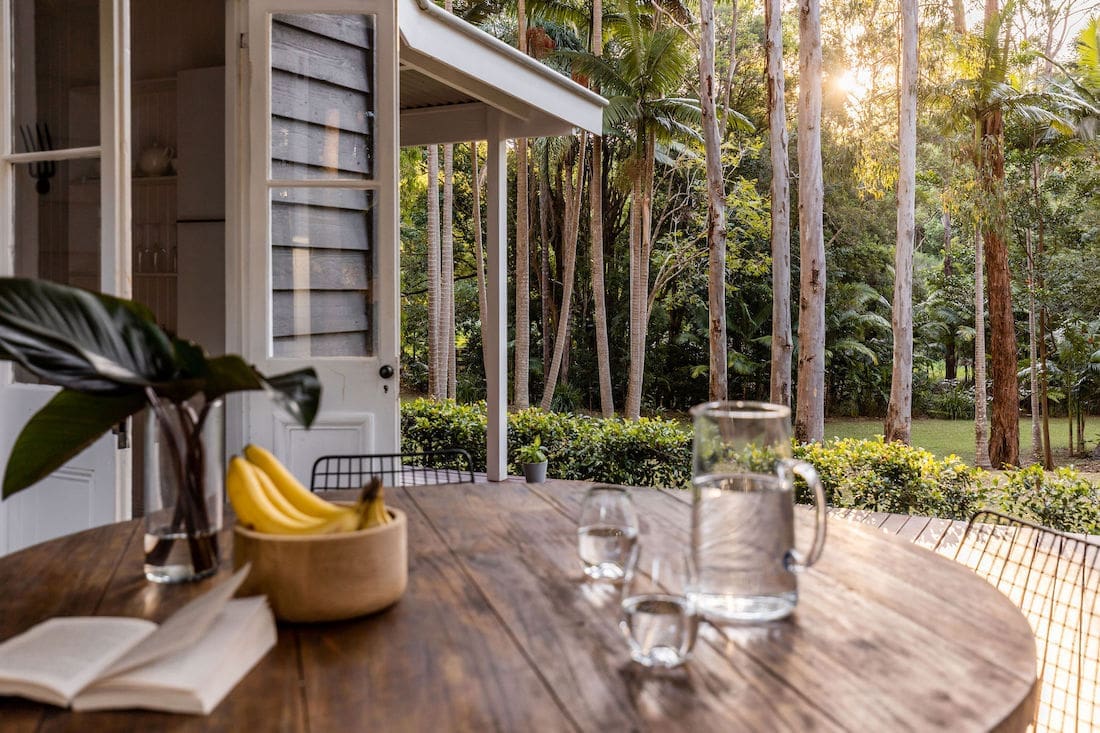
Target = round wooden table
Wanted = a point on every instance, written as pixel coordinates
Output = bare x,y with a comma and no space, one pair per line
498,631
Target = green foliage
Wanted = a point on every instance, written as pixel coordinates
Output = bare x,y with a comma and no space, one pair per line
892,477
1061,499
643,453
952,401
531,453
111,359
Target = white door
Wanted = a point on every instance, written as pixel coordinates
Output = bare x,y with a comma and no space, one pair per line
320,244
64,216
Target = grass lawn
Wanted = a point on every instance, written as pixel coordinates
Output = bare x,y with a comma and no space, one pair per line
943,437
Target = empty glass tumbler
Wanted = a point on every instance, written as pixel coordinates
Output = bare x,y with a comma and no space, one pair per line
607,534
742,525
658,619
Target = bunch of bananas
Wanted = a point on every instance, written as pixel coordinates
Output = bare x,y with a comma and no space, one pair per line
267,498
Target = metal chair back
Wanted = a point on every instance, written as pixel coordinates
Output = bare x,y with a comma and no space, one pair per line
1053,577
453,466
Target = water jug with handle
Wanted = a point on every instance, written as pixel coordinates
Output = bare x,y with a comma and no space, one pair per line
742,523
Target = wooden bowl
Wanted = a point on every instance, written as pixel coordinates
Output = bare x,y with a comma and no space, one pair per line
326,577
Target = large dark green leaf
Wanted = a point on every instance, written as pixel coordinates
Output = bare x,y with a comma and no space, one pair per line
298,392
68,424
82,340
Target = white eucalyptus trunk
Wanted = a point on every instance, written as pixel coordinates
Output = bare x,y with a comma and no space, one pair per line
716,205
1033,352
899,413
436,388
447,275
782,338
810,404
981,436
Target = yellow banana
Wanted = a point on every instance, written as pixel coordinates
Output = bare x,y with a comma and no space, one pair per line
252,506
374,513
302,498
278,500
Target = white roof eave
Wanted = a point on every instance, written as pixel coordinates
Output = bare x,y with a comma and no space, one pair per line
456,53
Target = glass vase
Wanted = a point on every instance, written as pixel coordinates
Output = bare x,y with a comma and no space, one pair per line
184,476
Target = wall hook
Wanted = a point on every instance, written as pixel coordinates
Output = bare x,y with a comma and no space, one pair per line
38,140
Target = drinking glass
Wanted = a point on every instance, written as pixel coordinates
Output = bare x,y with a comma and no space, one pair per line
607,534
742,524
658,619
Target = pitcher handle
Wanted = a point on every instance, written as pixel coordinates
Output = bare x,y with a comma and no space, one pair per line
796,561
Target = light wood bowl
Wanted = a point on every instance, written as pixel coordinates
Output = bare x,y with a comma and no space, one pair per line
328,577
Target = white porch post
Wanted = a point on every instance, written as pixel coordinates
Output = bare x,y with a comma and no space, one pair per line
495,332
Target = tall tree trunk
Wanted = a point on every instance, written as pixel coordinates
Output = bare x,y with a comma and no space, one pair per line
595,244
899,413
1044,380
810,406
479,247
950,347
447,273
716,204
546,294
981,444
569,246
641,214
782,339
436,387
1033,353
521,398
1004,433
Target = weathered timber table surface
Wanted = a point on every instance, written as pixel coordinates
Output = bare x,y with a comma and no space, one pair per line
497,631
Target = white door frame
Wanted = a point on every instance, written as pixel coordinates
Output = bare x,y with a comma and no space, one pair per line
115,208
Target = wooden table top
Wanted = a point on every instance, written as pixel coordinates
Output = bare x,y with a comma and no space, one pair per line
498,631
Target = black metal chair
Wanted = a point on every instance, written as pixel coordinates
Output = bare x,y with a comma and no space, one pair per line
452,466
1053,577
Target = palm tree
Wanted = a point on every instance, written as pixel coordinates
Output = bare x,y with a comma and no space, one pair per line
435,309
521,397
595,233
646,63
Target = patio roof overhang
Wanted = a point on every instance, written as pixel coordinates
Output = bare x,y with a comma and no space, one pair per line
454,75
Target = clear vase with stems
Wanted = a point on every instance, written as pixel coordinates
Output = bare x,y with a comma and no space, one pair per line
184,476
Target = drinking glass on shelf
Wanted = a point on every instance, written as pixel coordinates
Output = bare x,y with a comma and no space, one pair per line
607,535
658,620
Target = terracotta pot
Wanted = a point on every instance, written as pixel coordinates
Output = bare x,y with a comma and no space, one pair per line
326,577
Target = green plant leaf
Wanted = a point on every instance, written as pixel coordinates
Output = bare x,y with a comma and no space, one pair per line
82,340
297,392
68,424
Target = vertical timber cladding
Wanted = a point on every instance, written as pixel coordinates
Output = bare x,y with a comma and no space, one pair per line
322,238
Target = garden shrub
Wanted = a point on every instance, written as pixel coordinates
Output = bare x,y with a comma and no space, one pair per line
647,452
892,477
1061,499
860,474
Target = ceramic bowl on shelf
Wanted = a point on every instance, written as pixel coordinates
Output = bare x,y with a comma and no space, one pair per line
326,577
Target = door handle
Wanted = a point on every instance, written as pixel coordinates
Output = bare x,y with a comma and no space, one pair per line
386,371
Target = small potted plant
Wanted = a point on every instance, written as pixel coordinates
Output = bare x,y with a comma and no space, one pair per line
534,461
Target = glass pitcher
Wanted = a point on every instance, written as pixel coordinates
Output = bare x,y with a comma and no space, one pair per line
742,522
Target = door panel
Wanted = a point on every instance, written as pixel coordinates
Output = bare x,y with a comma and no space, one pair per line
61,202
321,234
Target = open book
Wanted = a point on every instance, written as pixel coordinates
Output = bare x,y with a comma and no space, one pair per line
185,665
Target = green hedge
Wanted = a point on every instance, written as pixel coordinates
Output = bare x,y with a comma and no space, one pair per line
642,453
892,477
861,474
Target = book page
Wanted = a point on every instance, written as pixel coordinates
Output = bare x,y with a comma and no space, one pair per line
184,628
64,654
193,680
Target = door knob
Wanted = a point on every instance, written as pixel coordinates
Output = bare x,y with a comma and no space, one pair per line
386,371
